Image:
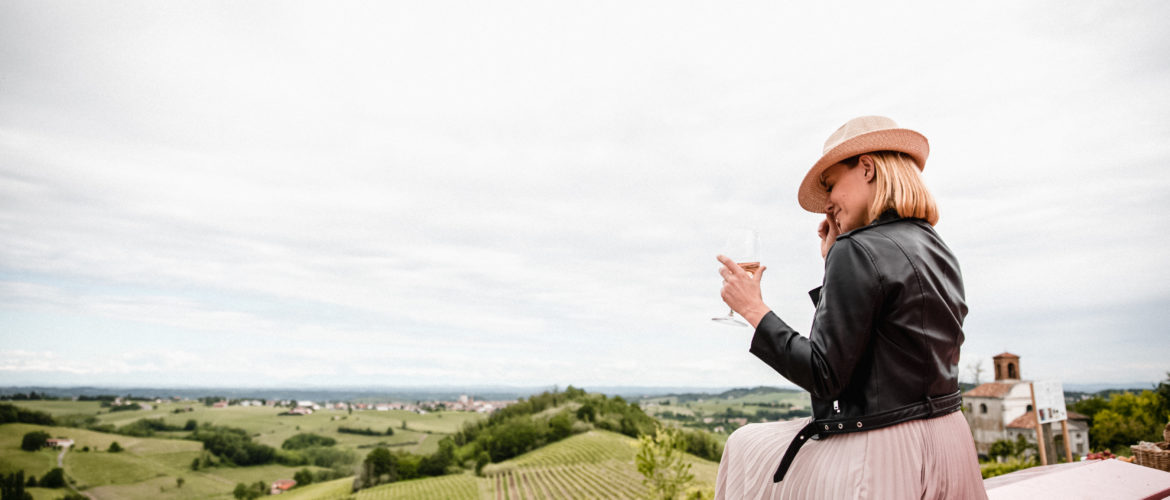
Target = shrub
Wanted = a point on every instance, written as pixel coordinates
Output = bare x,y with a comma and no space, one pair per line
364,432
1011,465
146,427
115,447
306,440
125,407
234,444
665,470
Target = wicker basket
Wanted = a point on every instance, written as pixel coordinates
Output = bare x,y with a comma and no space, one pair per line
1154,455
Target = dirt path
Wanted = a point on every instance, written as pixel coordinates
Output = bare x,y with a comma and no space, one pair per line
68,482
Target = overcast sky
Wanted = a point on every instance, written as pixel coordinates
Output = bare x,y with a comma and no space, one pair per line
533,193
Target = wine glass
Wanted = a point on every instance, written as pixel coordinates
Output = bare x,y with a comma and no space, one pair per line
743,246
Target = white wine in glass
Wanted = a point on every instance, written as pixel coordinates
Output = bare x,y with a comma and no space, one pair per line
743,246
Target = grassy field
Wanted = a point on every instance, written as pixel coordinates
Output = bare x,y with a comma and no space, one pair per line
711,412
336,489
268,427
150,467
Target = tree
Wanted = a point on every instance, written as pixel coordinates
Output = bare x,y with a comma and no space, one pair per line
12,486
34,441
179,482
191,425
1126,419
303,477
246,492
1163,393
195,463
560,426
481,461
586,413
976,369
662,464
13,413
54,478
436,464
380,466
115,447
1001,448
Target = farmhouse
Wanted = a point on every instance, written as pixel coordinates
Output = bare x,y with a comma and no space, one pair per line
59,442
282,485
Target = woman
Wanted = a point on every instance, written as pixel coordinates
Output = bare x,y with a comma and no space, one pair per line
881,361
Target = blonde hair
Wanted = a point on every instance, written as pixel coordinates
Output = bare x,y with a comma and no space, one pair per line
898,185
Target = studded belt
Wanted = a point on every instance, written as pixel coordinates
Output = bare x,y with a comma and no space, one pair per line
931,407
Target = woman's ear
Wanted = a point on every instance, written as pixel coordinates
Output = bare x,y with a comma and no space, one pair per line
869,170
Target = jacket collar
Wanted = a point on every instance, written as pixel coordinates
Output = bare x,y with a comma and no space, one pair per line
890,215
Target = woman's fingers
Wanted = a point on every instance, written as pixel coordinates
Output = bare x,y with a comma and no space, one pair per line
730,268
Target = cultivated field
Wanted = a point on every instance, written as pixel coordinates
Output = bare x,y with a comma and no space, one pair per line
596,464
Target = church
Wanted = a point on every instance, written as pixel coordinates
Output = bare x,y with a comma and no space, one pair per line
1003,410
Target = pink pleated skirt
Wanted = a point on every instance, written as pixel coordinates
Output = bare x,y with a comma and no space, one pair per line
930,458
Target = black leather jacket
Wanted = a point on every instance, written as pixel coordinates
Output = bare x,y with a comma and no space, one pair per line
887,330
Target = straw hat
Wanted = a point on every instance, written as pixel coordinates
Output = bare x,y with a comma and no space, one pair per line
861,135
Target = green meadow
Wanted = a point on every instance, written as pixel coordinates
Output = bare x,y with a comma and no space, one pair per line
150,467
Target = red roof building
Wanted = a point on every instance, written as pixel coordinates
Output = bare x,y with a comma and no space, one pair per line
282,485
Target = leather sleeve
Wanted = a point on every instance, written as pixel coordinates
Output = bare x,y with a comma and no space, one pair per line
847,307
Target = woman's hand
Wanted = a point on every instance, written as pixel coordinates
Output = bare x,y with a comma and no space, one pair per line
828,232
741,291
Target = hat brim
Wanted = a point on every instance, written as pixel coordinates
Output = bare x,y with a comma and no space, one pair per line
812,195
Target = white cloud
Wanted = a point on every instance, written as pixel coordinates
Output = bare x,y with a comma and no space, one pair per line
525,192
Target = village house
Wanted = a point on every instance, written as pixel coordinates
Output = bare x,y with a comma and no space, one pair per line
1078,431
1003,409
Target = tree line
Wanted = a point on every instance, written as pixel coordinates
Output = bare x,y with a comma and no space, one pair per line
1121,419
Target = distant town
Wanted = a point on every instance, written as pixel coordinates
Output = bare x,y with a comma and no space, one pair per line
463,402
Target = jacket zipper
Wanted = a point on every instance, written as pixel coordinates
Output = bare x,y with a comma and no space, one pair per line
836,407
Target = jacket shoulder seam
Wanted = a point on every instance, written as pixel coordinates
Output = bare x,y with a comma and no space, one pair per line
873,264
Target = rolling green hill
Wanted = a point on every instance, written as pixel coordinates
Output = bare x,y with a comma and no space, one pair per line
596,464
593,464
146,468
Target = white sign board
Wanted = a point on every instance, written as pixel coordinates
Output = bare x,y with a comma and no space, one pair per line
1049,401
